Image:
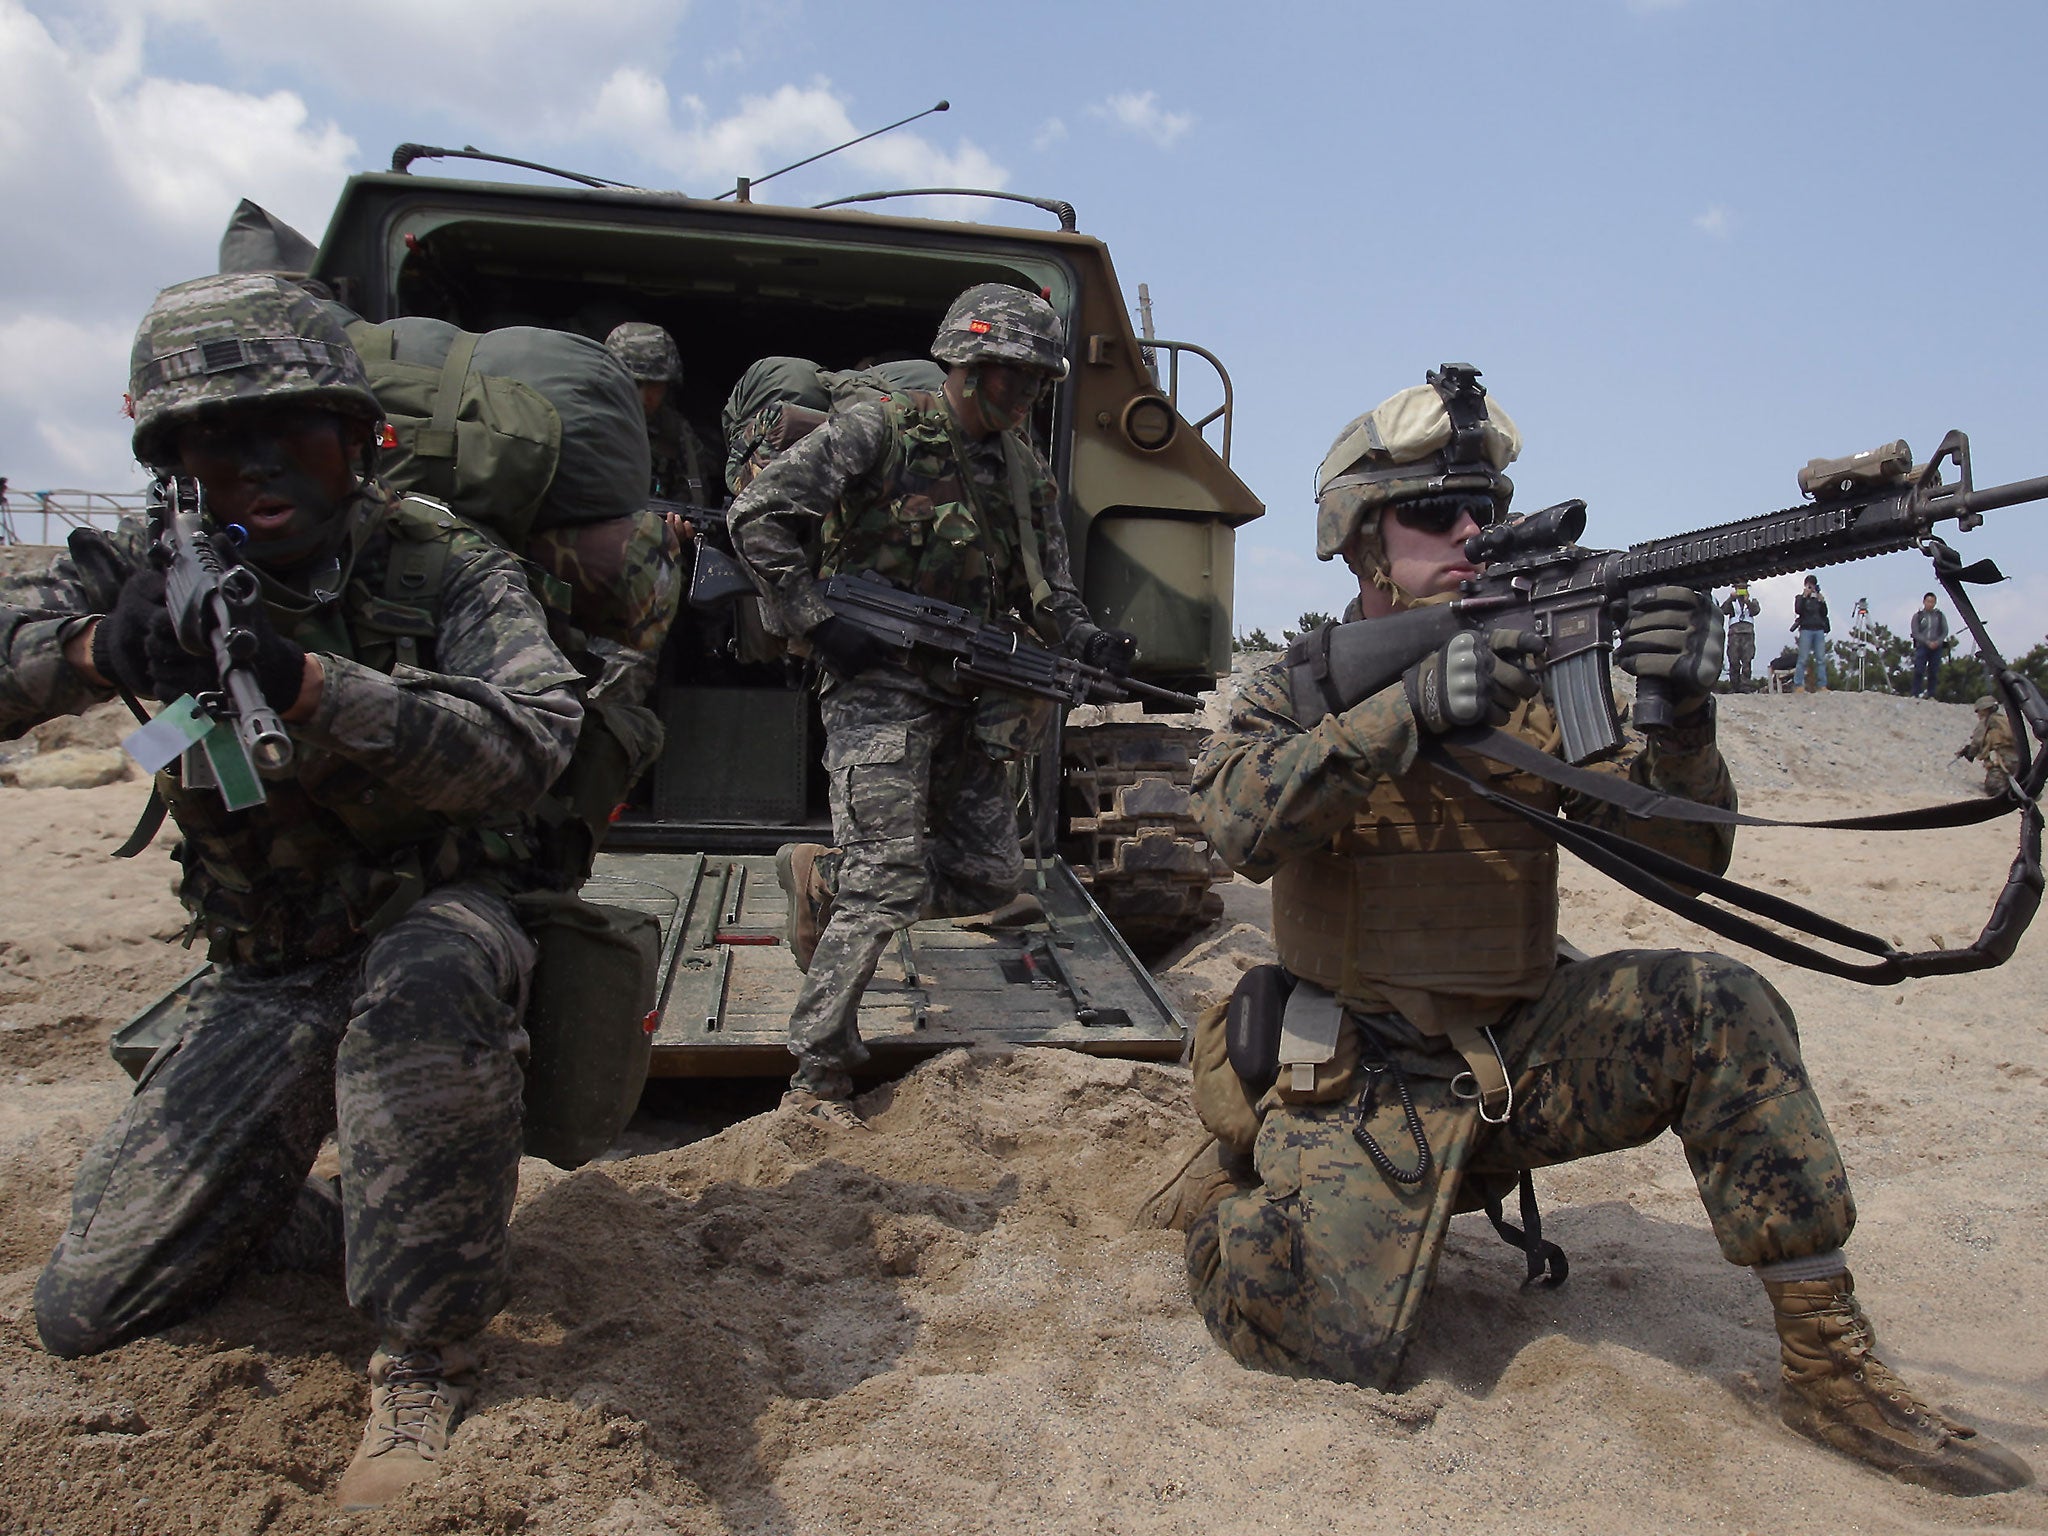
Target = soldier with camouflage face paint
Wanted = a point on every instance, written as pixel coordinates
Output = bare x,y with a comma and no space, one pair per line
942,495
1430,1008
369,975
683,470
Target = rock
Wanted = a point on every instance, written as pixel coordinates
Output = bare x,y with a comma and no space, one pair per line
68,768
101,726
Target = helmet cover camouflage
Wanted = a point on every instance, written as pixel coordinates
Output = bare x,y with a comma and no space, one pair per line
648,352
232,339
998,323
1409,445
1986,704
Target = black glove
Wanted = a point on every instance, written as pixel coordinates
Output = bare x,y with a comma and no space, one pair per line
279,664
121,640
1113,650
846,648
1675,635
1472,679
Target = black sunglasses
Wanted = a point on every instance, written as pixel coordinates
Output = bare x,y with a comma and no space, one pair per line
1440,514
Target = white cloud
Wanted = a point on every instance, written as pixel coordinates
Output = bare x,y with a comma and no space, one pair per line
1139,112
61,384
517,68
118,183
1050,132
1717,222
768,132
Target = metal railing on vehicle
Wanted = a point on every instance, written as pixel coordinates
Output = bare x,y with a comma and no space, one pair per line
64,509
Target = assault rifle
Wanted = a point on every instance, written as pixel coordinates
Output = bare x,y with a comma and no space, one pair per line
982,653
207,601
1536,578
716,578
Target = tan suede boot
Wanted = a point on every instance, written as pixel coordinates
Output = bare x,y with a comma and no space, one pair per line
415,1400
1835,1390
1208,1178
810,902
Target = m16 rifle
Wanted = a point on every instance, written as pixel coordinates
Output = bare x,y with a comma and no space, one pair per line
208,601
1536,579
982,653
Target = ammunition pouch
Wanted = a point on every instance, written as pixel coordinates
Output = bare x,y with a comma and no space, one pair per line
590,1021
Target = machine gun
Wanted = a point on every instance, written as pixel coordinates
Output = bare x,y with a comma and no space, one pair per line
982,653
1536,578
207,602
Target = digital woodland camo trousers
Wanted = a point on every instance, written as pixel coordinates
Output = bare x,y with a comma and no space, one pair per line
407,1049
924,825
1321,1269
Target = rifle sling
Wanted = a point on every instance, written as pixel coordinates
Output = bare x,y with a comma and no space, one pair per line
1657,877
1641,801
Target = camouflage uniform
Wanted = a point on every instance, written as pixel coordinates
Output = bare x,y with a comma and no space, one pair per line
1614,1051
1740,609
1991,743
682,467
400,1026
922,812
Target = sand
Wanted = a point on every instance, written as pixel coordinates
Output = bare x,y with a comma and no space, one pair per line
745,1321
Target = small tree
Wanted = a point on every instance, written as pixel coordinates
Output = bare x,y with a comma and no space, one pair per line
1257,640
1307,622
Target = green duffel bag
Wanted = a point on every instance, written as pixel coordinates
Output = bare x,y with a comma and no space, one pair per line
590,1020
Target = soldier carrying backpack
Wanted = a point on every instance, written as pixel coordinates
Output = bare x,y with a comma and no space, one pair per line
369,966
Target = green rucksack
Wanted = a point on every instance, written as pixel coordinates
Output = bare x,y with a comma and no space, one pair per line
517,430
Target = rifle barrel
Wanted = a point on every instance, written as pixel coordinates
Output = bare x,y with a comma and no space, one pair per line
2011,494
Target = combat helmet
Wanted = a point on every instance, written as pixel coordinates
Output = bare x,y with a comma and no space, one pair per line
1986,704
647,351
232,339
1443,436
998,323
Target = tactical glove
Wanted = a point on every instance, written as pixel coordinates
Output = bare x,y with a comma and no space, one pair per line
279,664
1113,650
121,640
846,648
1675,635
1472,679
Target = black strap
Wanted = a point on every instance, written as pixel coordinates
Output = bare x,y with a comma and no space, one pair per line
147,825
1543,1254
1640,801
1657,877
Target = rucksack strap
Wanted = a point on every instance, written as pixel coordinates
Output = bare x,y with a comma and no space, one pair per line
1027,522
436,440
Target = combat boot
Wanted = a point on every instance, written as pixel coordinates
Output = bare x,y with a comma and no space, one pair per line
810,899
416,1397
1835,1390
1205,1181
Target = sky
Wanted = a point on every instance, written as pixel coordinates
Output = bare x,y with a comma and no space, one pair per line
1690,243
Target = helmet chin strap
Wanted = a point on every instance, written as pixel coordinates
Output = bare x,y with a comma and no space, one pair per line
1366,559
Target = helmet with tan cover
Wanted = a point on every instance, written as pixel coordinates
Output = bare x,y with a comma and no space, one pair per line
1444,437
237,338
997,323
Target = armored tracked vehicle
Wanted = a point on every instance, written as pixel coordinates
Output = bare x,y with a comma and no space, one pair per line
1150,505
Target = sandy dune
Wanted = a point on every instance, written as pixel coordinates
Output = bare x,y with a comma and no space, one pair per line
944,1323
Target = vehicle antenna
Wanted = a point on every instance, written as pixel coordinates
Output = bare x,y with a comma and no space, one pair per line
743,192
1149,355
